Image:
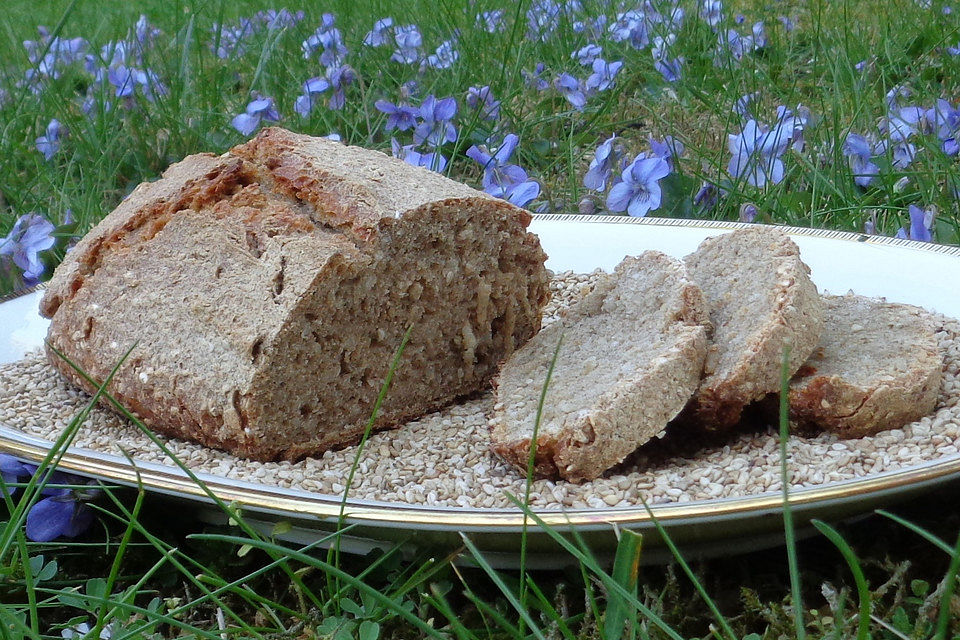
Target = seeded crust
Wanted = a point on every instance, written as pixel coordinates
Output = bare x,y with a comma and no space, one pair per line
263,293
760,298
877,367
631,355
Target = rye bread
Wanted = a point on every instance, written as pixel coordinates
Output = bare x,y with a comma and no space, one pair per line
264,293
631,355
761,299
877,367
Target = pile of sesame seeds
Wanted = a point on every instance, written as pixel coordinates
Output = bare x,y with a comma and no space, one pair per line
443,459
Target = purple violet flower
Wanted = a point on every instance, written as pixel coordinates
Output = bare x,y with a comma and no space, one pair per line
443,57
605,159
789,24
29,236
639,191
491,21
259,109
60,52
311,88
49,144
894,96
399,116
603,74
921,224
408,41
122,78
742,106
669,69
594,27
587,54
436,127
859,153
336,78
944,119
144,33
380,34
759,35
669,149
901,154
748,212
793,125
273,19
902,123
328,38
11,470
435,161
63,512
571,89
543,18
481,98
756,154
711,11
534,79
233,39
502,179
632,26
706,197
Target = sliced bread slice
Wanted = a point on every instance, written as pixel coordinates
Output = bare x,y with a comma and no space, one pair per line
631,355
761,299
878,367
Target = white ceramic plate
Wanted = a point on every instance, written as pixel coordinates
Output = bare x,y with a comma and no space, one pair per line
900,270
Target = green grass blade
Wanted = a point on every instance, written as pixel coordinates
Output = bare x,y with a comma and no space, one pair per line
950,585
789,532
228,510
590,563
626,569
334,551
721,620
531,465
388,603
550,610
920,531
860,580
511,597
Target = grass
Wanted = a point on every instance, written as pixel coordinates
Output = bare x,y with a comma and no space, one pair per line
139,573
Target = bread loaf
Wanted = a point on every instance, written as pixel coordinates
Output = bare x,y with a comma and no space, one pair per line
631,356
878,366
264,293
761,299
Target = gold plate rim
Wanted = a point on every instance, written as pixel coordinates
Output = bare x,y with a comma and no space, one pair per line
275,500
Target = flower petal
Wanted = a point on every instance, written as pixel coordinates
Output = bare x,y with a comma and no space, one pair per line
619,197
245,123
49,518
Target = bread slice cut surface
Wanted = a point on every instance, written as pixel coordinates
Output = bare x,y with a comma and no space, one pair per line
761,300
630,355
877,367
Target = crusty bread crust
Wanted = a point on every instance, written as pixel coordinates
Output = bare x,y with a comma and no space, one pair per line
264,294
877,367
761,299
631,355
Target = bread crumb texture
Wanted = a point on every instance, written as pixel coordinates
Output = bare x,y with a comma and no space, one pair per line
444,459
761,300
256,299
628,357
877,366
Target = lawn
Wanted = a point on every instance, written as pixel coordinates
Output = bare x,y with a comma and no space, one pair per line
839,115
